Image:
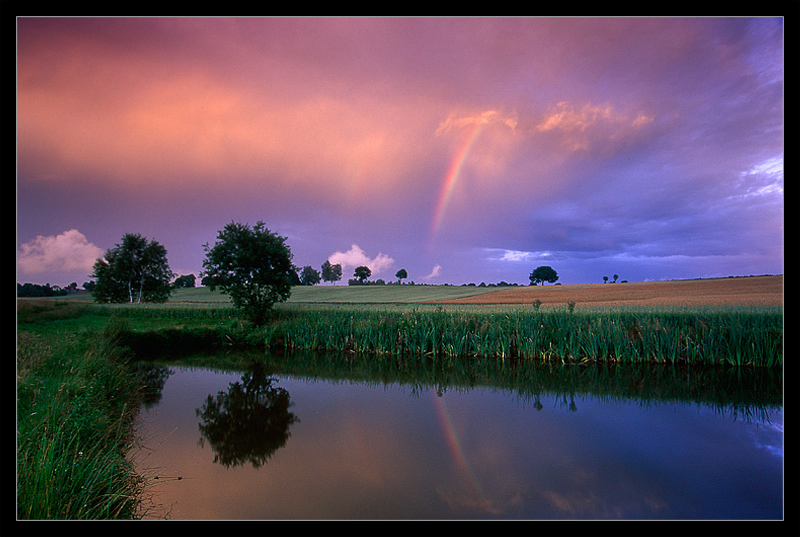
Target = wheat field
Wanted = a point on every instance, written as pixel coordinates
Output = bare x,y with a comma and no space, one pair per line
744,291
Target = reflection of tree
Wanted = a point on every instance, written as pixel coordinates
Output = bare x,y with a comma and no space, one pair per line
152,379
249,422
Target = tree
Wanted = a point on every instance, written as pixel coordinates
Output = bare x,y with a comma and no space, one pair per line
185,281
400,274
309,276
543,274
616,277
252,266
605,279
331,273
362,273
136,270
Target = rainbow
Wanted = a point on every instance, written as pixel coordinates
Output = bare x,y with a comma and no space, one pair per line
452,176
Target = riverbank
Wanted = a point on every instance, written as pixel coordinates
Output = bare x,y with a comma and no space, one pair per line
76,401
77,394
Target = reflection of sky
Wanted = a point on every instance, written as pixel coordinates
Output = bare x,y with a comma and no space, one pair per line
387,452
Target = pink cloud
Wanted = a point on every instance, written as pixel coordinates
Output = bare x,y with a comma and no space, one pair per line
68,251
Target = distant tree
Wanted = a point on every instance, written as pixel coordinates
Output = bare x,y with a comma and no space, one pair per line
616,277
35,290
605,279
362,273
252,266
89,286
309,276
185,281
400,275
331,273
134,271
543,274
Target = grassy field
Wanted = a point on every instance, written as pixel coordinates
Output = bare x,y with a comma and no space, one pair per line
347,294
743,291
746,291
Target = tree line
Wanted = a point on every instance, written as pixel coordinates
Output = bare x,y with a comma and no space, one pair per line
252,265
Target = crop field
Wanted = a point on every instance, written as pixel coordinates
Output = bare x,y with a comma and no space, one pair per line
750,291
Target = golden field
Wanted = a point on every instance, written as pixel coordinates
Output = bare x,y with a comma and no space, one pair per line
743,291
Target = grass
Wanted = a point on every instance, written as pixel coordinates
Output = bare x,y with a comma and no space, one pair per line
714,336
383,294
404,320
76,400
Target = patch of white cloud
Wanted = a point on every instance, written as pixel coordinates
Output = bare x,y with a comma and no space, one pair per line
517,256
764,178
437,270
356,257
68,251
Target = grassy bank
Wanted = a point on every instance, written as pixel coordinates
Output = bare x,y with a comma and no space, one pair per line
77,397
734,336
76,400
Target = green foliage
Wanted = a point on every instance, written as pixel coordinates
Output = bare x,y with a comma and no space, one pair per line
401,274
134,271
331,273
252,266
35,290
543,274
309,276
185,281
362,273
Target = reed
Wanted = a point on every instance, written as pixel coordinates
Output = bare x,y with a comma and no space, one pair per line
704,337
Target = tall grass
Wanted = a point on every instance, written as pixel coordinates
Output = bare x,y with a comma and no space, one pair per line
75,405
707,337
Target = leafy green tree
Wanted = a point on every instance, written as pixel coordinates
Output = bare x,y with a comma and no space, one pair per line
400,275
331,273
134,271
252,266
362,273
185,281
309,276
543,274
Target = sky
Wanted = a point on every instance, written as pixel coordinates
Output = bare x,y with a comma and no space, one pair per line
461,149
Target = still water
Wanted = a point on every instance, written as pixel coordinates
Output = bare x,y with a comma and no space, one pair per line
267,445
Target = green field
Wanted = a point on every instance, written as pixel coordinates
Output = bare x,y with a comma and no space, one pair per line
350,294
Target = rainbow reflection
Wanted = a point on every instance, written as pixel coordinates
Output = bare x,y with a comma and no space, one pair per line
454,445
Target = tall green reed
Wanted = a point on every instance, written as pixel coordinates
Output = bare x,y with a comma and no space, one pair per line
737,337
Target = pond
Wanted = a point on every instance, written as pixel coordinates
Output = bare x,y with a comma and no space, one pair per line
290,441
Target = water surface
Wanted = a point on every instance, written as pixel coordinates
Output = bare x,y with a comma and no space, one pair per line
245,445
